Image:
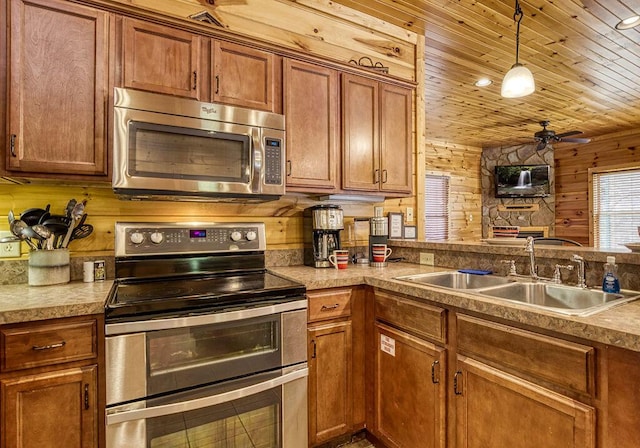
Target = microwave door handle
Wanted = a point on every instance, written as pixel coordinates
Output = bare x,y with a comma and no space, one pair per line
199,403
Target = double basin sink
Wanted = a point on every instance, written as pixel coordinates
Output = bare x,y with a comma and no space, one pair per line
563,299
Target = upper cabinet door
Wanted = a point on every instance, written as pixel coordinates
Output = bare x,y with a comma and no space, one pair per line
361,160
161,59
313,128
396,150
58,88
244,76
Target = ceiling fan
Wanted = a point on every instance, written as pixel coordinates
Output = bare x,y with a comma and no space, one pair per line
546,136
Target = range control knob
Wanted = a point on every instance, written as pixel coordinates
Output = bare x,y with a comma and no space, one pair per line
136,237
251,235
157,237
236,236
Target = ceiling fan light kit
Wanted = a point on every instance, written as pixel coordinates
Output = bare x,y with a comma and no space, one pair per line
518,81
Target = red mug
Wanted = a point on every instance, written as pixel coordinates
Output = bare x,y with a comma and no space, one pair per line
339,259
380,252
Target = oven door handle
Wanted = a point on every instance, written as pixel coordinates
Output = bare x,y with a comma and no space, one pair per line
204,319
199,403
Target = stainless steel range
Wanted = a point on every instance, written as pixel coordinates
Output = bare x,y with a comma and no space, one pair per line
204,347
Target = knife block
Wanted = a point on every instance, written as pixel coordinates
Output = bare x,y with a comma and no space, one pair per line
49,267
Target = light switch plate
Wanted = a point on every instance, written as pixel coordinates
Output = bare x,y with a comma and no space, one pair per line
427,258
409,214
9,250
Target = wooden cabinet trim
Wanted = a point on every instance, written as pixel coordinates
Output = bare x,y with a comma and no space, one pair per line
424,320
329,304
566,364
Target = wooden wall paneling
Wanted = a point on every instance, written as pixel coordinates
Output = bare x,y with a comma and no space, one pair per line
572,164
303,28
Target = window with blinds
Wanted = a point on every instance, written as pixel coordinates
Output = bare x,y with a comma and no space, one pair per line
436,207
616,208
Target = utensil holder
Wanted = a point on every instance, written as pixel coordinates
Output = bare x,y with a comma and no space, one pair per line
49,267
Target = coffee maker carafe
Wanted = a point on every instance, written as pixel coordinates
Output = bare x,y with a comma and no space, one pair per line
322,226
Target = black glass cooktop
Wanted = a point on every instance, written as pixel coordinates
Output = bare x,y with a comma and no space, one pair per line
185,295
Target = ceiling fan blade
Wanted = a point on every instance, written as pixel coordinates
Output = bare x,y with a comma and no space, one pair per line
567,134
575,140
541,145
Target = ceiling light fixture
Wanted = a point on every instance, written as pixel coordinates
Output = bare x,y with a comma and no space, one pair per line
483,82
518,81
628,23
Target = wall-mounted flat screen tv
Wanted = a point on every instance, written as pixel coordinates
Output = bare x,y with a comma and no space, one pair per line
522,181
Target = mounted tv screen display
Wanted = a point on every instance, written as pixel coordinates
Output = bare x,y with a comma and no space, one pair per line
522,181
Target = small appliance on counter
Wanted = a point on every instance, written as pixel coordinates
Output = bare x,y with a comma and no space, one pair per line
378,234
322,226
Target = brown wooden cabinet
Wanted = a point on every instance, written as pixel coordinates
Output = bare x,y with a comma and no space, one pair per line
57,89
494,408
313,127
377,136
409,390
161,59
336,363
245,76
49,394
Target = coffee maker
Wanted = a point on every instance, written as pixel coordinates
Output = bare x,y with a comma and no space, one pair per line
322,226
378,234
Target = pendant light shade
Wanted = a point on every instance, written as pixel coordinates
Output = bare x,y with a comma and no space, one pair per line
518,81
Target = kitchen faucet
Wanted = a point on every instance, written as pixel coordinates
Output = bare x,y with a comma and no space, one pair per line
530,249
582,275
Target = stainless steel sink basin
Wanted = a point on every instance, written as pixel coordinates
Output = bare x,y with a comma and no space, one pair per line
456,280
560,298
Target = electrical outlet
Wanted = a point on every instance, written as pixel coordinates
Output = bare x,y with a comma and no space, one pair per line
409,214
9,250
427,258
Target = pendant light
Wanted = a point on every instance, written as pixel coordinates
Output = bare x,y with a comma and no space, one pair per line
518,81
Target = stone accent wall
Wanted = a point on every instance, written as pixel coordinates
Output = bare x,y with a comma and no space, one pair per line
515,155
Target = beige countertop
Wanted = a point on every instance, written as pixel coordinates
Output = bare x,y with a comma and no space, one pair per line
618,326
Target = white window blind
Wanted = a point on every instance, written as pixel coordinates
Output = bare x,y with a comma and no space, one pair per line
436,207
616,208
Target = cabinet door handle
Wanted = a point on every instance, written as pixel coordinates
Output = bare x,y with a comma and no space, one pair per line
217,84
86,397
435,364
12,145
384,176
288,168
313,355
330,307
195,80
376,176
48,347
457,375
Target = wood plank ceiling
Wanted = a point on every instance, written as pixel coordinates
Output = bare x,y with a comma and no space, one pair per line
587,72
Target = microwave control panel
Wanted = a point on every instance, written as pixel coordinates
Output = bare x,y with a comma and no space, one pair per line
273,161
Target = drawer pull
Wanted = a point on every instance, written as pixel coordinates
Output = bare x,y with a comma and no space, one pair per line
48,347
330,307
435,380
86,397
455,383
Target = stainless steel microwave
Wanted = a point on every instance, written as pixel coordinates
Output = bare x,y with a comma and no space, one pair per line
166,147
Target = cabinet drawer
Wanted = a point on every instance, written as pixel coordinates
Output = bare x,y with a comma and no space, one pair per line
329,304
412,316
36,345
566,364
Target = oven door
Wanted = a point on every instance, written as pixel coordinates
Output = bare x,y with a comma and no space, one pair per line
267,410
154,357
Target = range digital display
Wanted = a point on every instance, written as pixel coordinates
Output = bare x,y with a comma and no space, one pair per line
197,233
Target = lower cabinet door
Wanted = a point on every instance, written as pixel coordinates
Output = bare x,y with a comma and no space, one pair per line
330,392
50,410
495,409
409,390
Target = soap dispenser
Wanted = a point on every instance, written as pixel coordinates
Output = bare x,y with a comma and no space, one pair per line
610,281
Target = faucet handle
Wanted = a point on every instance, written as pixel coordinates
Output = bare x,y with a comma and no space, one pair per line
512,266
557,278
577,258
